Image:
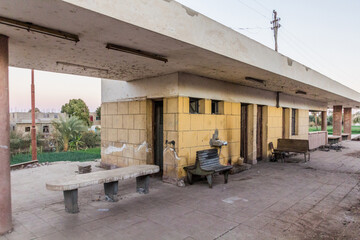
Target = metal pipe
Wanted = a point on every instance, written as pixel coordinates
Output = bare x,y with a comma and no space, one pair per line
33,126
5,187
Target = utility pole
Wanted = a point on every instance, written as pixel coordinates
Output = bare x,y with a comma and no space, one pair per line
275,27
33,128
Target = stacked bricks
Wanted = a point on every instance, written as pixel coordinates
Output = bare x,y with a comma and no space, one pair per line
124,134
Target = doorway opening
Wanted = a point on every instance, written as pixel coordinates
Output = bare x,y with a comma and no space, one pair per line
158,134
244,135
259,130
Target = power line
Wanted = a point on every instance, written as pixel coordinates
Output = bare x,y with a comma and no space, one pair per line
254,10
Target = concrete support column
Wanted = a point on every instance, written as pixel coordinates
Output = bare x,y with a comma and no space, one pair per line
324,121
347,121
251,132
337,121
5,190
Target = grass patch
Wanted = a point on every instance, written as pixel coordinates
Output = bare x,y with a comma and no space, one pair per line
74,156
354,129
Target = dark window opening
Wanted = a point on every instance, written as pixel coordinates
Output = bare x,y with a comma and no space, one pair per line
293,122
13,128
194,105
97,118
27,129
55,116
46,129
215,107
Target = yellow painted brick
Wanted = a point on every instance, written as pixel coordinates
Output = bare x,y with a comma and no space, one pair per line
128,151
180,104
184,153
134,107
172,105
220,122
210,122
169,122
134,136
122,162
122,135
233,135
128,121
142,136
111,134
186,104
189,139
140,121
227,108
123,107
231,122
142,107
204,138
108,121
235,108
103,109
184,122
117,121
111,108
140,152
223,135
196,121
118,145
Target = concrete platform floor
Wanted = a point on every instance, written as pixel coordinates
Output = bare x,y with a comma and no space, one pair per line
316,200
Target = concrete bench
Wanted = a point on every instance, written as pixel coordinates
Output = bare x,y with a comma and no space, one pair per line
344,136
333,139
110,179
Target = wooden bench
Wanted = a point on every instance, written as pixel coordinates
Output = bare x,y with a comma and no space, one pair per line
292,145
207,163
110,179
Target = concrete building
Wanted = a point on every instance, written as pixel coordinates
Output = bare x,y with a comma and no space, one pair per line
21,122
169,73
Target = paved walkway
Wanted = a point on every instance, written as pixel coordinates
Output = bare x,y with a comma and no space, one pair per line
316,200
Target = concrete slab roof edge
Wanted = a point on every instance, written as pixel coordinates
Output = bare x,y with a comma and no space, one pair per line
172,19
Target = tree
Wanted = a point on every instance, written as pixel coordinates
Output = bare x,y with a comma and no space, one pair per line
356,117
78,108
98,112
69,129
36,110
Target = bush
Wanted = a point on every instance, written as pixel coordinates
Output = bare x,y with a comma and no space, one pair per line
19,143
90,139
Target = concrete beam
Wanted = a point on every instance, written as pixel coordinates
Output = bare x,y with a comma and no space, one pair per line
5,188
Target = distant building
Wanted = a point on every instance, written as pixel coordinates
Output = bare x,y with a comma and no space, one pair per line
21,122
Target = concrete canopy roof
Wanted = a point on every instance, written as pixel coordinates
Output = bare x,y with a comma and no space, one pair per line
190,41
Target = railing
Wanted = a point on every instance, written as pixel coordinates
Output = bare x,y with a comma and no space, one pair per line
317,139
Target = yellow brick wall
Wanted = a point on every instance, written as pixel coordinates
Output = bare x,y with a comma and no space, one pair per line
195,131
273,123
126,133
302,128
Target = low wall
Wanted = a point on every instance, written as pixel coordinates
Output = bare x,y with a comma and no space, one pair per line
317,139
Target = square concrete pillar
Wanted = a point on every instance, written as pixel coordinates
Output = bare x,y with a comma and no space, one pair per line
337,121
5,189
251,133
324,121
347,121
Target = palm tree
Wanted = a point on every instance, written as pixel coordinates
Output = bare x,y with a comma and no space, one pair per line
68,129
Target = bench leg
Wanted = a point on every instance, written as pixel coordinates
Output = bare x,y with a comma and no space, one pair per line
226,177
209,180
71,201
189,177
111,190
142,184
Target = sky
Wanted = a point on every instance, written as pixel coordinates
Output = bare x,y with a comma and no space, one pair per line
323,34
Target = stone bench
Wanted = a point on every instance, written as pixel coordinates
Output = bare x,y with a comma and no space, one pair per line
333,139
110,179
344,136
